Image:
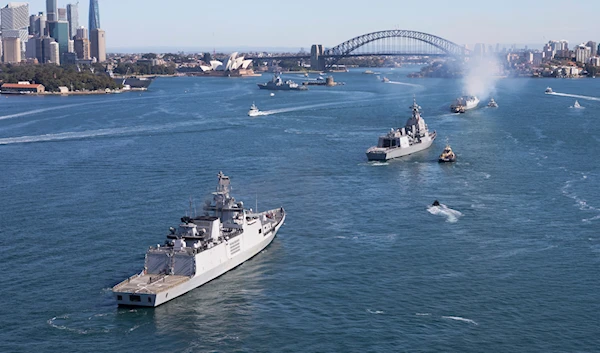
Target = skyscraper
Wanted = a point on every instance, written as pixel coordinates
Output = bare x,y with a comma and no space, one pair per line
98,45
73,18
51,11
94,15
14,23
62,14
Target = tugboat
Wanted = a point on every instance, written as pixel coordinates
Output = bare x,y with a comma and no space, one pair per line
464,103
277,83
492,103
447,155
411,138
253,110
548,90
201,249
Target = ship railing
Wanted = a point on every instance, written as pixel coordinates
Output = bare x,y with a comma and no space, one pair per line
127,281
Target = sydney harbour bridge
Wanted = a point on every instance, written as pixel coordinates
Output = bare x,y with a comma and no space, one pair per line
396,42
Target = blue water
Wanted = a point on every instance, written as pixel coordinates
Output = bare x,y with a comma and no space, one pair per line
361,265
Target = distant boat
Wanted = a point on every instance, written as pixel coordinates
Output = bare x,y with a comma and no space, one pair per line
272,94
576,105
385,79
492,103
253,110
548,90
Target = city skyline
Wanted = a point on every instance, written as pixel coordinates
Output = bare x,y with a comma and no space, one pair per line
206,26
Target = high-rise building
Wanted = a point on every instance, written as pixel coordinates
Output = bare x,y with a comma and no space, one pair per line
73,19
59,30
81,33
592,46
62,14
54,53
94,15
14,23
37,24
12,50
98,44
583,53
82,44
51,11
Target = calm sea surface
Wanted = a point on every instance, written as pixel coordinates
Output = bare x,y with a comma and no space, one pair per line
361,265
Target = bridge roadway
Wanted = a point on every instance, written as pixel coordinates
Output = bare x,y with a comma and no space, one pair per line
307,56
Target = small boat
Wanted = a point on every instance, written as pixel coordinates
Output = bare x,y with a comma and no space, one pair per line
253,110
576,105
272,94
306,74
447,155
492,103
385,79
548,90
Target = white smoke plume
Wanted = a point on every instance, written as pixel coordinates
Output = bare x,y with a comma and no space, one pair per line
481,76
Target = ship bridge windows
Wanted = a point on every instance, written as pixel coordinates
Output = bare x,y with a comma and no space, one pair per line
387,142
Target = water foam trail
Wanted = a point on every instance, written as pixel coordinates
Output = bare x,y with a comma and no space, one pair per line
581,203
575,96
91,133
36,111
377,312
404,84
458,318
451,215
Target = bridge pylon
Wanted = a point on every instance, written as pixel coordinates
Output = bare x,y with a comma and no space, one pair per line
317,61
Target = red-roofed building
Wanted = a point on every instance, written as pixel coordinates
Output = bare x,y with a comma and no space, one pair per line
22,88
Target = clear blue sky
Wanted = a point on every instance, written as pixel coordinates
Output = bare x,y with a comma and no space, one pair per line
206,24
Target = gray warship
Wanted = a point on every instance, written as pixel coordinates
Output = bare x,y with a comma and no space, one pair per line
278,84
201,249
411,138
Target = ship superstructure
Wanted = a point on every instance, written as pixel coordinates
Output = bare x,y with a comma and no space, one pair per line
201,249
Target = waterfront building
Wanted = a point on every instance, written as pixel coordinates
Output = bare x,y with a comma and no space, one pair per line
582,53
94,16
598,50
51,11
37,24
98,44
54,53
62,14
11,47
73,19
14,23
59,30
595,61
22,87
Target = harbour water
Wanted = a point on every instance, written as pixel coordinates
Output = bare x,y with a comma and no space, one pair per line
361,265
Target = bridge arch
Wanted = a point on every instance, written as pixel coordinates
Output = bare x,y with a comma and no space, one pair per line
346,48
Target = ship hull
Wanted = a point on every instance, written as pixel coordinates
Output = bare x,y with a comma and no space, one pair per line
391,153
219,255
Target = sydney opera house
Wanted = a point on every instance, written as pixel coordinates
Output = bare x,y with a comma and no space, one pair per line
235,66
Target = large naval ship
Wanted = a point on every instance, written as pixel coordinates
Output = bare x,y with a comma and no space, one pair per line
464,103
413,137
200,249
277,83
